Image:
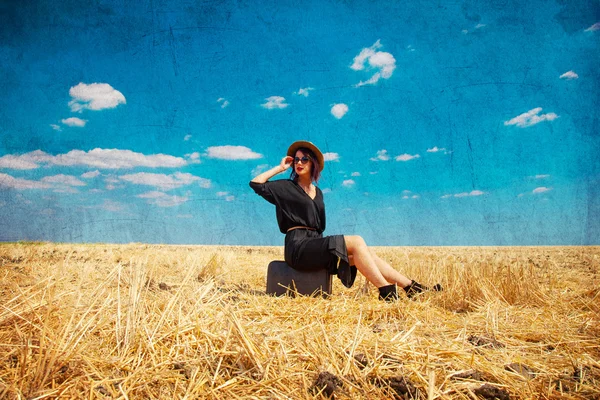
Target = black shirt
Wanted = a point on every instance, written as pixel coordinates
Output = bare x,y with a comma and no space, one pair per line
293,205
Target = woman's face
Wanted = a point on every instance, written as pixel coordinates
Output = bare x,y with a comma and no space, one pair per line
303,169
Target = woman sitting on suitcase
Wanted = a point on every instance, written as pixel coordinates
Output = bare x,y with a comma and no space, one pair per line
301,217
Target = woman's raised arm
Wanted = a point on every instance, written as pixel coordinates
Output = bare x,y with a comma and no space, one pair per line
285,163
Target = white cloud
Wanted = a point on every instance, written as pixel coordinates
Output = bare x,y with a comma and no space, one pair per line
339,110
384,63
331,156
259,169
464,194
162,199
232,153
186,216
61,179
348,183
204,183
165,182
90,174
373,172
410,47
10,161
113,206
544,176
436,149
187,138
304,91
99,158
95,96
326,190
275,102
65,189
152,195
408,196
355,174
594,27
541,189
531,118
74,121
7,181
194,157
406,157
569,75
226,196
382,155
56,127
478,26
224,103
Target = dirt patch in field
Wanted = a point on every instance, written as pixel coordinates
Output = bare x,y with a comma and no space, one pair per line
470,375
326,384
491,392
399,387
485,342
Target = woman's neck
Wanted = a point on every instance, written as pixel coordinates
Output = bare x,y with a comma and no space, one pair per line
304,182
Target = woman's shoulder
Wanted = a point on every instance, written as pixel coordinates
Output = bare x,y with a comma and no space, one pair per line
273,182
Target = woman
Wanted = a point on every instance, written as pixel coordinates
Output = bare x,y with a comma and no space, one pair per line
301,217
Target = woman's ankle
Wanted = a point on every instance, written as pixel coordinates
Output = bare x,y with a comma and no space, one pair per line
415,288
388,293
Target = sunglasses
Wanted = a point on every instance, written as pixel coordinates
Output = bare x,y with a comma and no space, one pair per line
303,160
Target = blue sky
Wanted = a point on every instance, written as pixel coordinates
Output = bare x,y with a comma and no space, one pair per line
471,123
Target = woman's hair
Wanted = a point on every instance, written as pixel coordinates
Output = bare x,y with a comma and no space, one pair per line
316,168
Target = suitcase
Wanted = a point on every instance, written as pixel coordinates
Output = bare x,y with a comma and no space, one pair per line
284,280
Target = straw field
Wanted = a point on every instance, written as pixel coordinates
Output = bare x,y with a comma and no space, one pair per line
159,322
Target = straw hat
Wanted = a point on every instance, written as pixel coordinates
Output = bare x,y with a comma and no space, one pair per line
308,145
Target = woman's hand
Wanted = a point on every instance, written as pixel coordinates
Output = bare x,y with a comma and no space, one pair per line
286,162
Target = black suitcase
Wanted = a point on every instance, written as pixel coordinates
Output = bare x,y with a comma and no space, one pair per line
283,279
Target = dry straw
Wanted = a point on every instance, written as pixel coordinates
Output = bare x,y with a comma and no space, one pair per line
138,321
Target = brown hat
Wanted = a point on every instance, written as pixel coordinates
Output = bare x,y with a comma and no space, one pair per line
308,145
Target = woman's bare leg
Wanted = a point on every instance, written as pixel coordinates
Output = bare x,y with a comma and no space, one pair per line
388,272
379,272
364,261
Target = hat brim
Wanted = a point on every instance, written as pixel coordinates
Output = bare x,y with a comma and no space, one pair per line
308,145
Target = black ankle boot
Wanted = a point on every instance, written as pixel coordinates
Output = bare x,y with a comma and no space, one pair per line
388,293
416,288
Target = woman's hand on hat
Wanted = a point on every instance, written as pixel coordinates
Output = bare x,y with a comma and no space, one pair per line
286,162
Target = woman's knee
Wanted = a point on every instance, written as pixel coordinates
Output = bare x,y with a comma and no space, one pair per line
354,242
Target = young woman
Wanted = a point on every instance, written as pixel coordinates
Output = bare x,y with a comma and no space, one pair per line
301,217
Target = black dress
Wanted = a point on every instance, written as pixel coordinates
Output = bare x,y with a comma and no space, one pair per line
306,249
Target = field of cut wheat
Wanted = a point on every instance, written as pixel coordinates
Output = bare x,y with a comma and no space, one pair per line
159,322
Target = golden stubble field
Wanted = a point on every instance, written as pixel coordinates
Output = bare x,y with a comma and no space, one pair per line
151,321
